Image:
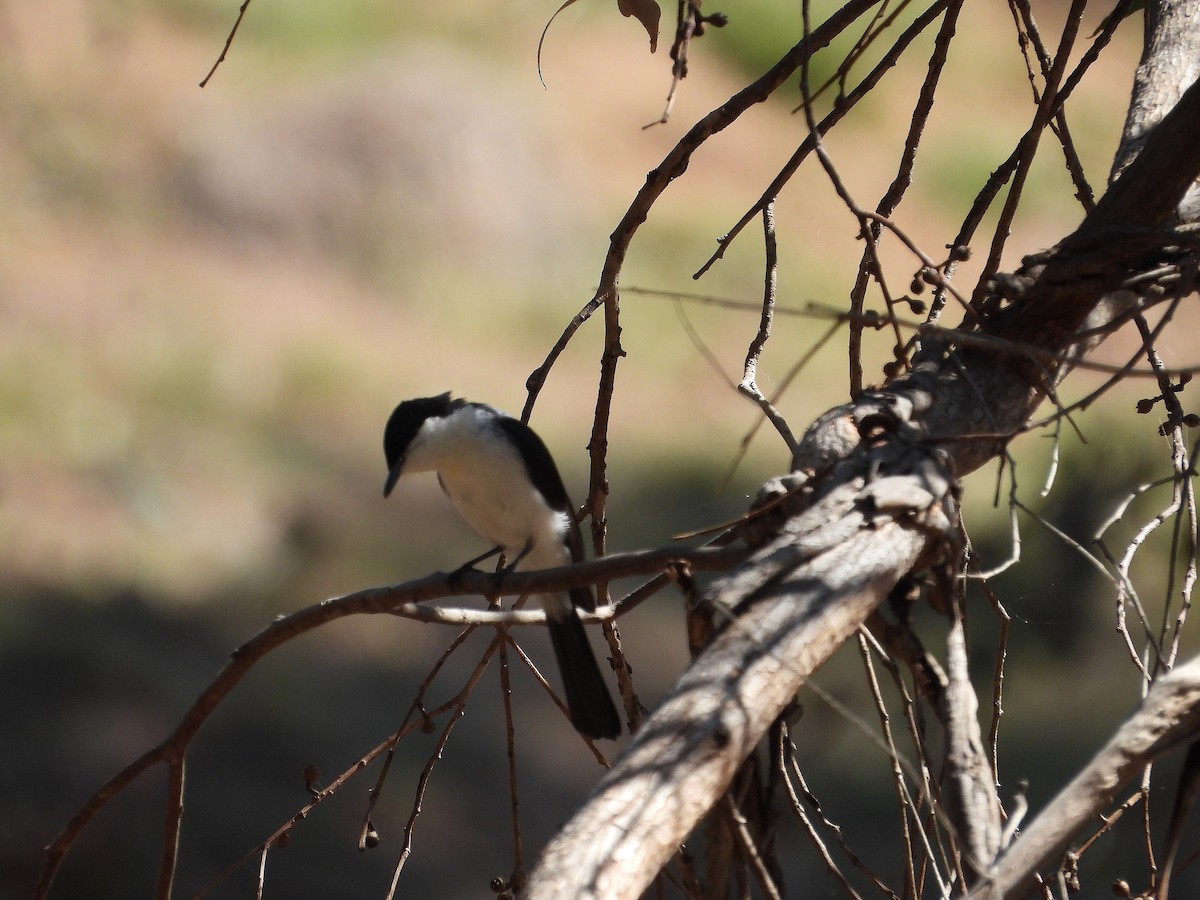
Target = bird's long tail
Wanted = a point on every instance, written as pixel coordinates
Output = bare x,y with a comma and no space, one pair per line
590,704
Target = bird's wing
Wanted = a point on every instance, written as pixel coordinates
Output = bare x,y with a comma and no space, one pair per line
544,475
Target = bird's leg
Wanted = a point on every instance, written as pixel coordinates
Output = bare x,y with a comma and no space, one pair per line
470,563
503,570
517,561
469,566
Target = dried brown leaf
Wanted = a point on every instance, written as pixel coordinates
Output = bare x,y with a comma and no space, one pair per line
645,11
542,39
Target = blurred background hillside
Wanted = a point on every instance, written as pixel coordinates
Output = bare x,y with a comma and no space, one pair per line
212,298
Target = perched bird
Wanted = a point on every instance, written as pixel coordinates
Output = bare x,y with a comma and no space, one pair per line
504,483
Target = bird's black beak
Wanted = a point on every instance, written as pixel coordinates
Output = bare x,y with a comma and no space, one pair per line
393,477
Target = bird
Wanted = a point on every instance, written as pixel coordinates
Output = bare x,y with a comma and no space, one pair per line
503,482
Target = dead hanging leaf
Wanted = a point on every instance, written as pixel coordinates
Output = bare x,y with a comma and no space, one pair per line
542,39
645,11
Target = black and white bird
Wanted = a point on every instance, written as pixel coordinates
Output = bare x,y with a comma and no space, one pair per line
504,483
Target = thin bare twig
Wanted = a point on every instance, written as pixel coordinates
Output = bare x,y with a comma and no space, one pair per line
840,110
172,823
1030,35
784,383
228,42
1183,496
793,779
517,879
690,23
891,199
749,848
415,708
553,695
749,383
701,345
427,771
904,804
815,310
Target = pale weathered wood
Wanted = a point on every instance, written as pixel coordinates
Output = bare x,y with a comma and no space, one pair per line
1166,719
852,539
801,597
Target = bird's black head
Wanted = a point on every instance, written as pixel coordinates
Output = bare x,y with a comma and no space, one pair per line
404,423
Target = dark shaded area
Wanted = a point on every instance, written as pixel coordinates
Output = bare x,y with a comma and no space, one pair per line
89,683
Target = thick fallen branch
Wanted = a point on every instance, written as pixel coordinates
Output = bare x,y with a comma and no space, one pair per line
1167,718
861,527
791,606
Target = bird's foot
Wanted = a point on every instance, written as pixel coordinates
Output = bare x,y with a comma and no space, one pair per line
455,577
